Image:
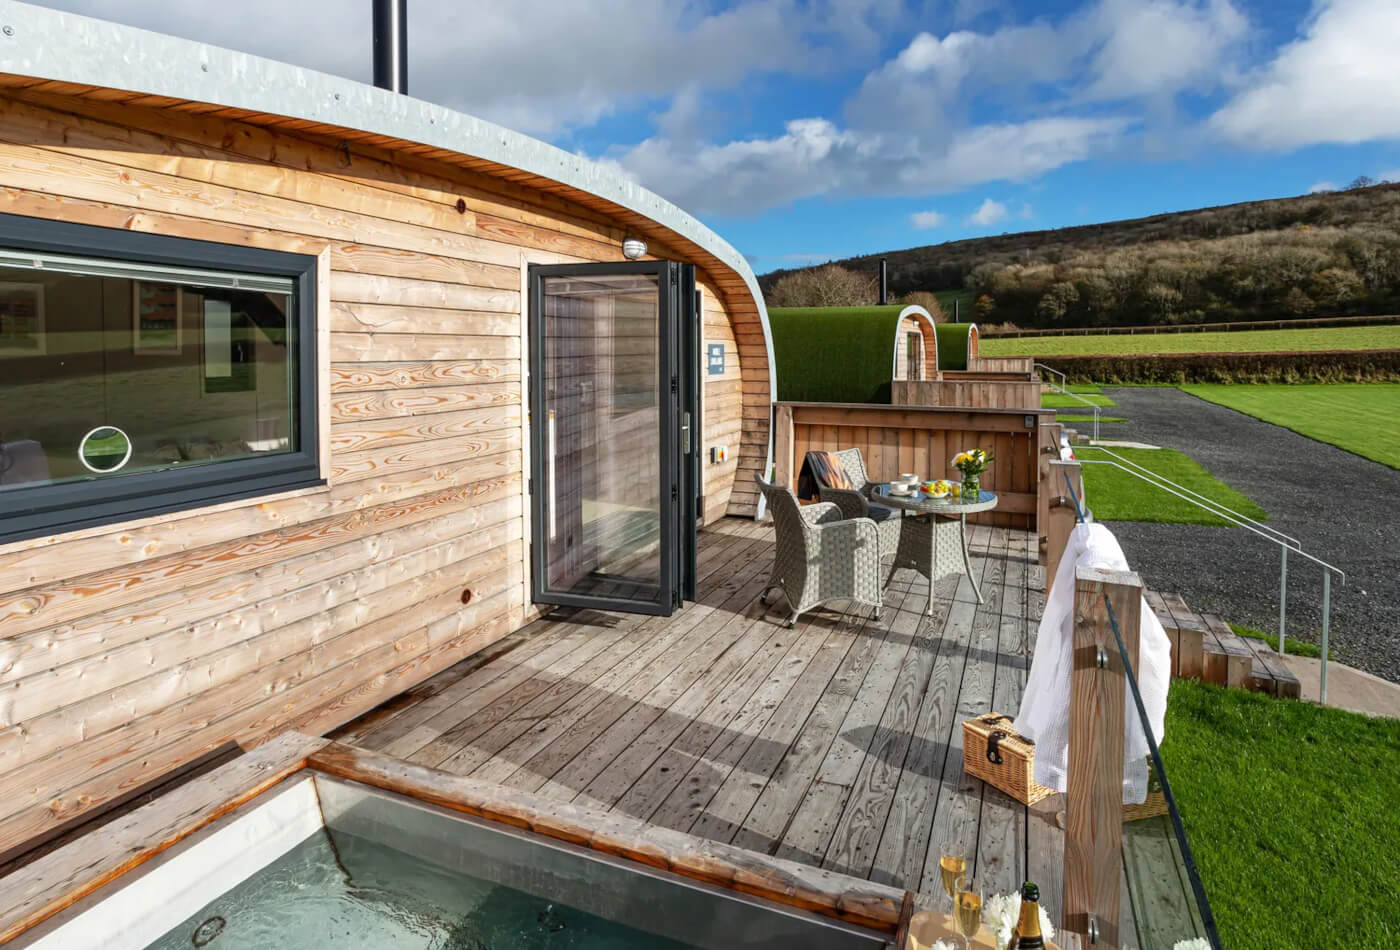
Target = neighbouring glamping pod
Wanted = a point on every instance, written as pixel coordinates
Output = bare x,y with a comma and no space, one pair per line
268,457
851,354
957,346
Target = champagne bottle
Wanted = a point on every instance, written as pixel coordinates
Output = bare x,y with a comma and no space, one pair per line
1027,935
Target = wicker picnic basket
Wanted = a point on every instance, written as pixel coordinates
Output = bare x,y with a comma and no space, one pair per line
1000,757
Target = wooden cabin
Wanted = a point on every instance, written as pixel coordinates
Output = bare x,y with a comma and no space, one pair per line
268,454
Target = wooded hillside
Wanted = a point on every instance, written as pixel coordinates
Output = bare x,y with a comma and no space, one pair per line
1325,254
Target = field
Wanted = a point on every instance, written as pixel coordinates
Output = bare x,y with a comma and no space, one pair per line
1114,495
1287,861
1383,337
1363,418
964,300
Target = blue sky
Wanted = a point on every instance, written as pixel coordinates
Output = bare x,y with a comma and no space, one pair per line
804,130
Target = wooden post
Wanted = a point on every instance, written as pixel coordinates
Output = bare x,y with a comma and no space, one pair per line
1061,516
1093,867
784,472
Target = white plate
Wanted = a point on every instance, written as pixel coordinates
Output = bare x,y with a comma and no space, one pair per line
904,490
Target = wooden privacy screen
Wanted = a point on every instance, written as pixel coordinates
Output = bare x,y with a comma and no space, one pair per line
1024,365
968,390
896,439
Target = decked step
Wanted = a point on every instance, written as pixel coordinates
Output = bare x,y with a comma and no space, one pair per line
1204,647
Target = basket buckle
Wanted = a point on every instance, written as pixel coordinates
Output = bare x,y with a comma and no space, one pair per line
993,753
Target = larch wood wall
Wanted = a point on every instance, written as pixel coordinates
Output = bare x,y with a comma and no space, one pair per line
130,649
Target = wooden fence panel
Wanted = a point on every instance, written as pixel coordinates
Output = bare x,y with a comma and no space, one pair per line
897,439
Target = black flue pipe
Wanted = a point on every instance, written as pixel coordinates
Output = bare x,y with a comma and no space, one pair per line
884,282
391,45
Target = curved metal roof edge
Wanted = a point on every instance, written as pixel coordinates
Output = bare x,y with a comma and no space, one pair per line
67,47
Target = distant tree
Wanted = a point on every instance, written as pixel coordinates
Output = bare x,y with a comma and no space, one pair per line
826,286
926,299
1297,302
1362,181
1336,288
1056,302
984,306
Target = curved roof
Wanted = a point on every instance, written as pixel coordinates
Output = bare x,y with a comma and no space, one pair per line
835,354
82,52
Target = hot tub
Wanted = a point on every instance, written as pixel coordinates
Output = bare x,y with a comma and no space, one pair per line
400,856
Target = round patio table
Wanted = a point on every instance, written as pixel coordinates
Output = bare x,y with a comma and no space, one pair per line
934,542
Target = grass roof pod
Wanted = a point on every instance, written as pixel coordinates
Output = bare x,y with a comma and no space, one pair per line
834,354
956,342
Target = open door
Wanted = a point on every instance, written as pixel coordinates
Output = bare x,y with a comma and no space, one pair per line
611,398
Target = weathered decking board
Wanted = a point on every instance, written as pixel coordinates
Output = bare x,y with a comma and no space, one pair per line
837,744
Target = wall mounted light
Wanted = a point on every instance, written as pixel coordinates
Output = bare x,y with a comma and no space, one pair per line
633,248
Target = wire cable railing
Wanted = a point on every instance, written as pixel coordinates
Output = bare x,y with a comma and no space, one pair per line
1155,754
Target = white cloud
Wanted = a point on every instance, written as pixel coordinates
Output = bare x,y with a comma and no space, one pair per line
1322,187
815,157
1338,83
1390,174
539,66
925,220
1151,48
988,213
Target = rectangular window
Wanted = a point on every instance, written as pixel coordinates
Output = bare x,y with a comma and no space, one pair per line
142,374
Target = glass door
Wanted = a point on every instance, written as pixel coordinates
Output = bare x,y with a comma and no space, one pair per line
609,480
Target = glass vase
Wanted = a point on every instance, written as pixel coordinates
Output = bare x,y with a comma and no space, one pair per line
971,489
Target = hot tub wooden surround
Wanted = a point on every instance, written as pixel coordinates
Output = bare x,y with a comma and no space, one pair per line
837,744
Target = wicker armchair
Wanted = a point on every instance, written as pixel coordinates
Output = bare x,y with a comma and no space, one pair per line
855,502
819,555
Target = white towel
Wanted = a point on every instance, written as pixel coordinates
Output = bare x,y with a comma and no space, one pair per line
1044,714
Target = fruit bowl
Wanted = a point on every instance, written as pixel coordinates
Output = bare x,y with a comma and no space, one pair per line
938,489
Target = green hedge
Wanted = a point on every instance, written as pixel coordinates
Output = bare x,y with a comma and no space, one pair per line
834,354
1316,366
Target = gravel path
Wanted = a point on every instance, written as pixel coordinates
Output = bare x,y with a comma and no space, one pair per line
1231,572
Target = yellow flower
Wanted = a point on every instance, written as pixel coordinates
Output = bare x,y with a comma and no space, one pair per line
959,458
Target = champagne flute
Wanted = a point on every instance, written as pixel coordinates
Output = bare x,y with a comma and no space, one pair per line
967,910
952,868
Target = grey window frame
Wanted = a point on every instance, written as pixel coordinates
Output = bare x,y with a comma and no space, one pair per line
28,512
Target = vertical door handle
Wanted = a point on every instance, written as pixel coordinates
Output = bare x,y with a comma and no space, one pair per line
685,433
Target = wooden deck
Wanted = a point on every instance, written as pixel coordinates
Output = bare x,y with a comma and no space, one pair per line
837,744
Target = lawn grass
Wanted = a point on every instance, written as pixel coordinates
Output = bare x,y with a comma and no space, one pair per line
1384,337
1292,646
1363,418
1064,401
1072,417
1115,495
1290,811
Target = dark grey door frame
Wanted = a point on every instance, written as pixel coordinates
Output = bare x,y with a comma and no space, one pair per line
678,385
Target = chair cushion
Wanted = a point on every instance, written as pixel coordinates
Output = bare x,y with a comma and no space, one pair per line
821,470
882,513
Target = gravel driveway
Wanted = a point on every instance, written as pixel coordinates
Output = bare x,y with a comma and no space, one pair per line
1231,572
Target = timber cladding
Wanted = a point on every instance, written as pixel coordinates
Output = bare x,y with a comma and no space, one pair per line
129,649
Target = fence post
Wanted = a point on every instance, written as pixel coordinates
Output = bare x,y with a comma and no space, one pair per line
1093,864
783,473
1061,514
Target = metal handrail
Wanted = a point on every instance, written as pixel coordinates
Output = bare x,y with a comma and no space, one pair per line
1284,548
1292,541
1064,391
